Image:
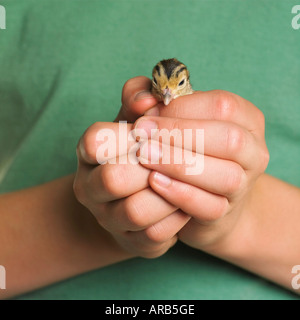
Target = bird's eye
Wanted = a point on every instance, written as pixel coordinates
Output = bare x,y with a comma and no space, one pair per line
154,80
181,83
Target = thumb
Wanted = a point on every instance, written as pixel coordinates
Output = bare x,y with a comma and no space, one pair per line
136,99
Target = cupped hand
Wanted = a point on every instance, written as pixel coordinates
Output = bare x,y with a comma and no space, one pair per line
230,152
117,192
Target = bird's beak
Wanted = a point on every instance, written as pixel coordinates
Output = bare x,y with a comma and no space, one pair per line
167,96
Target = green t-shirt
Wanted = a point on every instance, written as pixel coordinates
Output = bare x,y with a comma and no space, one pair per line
62,67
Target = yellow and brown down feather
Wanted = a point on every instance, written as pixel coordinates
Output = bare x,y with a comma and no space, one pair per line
170,80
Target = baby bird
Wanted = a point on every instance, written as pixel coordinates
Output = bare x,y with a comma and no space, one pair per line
170,80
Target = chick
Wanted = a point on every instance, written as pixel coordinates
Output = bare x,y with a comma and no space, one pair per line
170,80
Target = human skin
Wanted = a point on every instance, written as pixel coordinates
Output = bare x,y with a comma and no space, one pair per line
233,209
122,211
120,196
239,213
47,235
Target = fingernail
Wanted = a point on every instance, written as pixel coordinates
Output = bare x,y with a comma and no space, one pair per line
152,112
146,94
147,126
152,152
161,179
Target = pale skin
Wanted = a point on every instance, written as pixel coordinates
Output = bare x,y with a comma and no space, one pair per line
110,213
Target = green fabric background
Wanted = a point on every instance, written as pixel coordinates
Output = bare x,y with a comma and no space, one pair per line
62,67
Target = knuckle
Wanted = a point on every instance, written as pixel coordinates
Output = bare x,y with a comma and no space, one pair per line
175,125
225,104
127,90
128,84
146,248
87,144
156,233
265,158
130,88
85,147
174,134
235,140
218,211
79,191
260,117
135,212
102,218
151,254
155,251
234,179
112,181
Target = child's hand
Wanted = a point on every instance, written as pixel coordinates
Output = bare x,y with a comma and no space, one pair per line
235,155
119,195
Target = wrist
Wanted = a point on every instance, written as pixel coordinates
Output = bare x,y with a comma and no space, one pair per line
235,242
264,239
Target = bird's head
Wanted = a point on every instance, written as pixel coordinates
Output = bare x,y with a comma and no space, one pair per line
170,79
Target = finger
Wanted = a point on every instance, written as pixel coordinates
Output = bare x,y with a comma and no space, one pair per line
164,230
136,243
215,105
136,212
219,139
136,99
110,182
215,175
103,141
203,206
158,238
